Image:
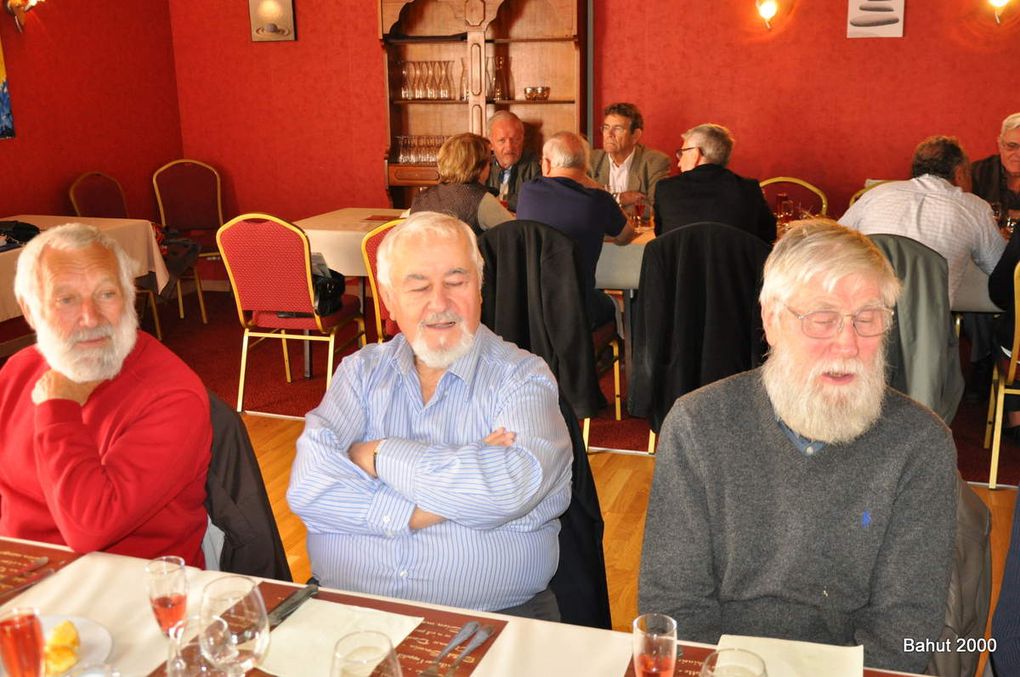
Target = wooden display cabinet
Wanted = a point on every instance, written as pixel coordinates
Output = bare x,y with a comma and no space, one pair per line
543,43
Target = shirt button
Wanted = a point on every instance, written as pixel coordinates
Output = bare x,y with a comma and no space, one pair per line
403,574
810,450
386,519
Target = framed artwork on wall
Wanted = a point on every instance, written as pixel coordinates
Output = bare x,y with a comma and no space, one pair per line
874,18
6,118
272,20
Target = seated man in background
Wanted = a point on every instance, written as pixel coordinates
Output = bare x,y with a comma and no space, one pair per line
512,166
566,199
996,178
812,502
706,190
104,433
629,169
935,209
438,463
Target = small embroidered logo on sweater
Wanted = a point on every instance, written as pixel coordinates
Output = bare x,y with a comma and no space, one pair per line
865,519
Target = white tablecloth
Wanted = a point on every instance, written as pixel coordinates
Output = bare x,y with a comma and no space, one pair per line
134,235
337,235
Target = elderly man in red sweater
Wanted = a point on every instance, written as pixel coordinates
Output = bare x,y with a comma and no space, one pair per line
104,433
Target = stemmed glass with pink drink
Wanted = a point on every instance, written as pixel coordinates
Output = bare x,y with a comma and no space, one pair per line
167,583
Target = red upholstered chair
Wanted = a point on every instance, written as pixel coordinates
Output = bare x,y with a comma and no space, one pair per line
269,265
100,195
190,201
385,327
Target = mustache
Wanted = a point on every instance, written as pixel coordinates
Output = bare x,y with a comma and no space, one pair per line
440,318
91,334
852,366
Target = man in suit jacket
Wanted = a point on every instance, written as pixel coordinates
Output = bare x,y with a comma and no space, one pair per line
512,165
707,191
628,168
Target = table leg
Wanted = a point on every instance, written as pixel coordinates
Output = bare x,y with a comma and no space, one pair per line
308,356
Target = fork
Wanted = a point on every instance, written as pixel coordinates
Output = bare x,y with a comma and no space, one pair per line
476,641
433,668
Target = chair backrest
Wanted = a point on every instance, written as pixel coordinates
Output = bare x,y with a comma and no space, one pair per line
922,350
385,327
98,195
696,318
269,265
810,197
532,296
189,196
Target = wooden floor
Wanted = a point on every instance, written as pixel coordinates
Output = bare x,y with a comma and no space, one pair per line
623,483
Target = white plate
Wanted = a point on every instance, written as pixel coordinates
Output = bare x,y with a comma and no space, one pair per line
96,641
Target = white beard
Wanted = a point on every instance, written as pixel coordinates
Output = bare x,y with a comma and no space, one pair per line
445,355
89,364
824,412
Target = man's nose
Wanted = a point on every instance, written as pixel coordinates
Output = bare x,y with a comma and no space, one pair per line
439,298
845,341
89,313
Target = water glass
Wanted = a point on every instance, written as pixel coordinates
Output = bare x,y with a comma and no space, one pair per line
733,663
364,653
654,645
21,642
185,657
167,582
234,633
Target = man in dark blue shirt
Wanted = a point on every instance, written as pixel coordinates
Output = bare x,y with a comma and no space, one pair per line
567,199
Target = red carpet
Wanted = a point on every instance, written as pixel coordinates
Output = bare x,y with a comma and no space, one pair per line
214,351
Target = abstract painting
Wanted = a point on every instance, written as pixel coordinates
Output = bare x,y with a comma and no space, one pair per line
874,18
6,119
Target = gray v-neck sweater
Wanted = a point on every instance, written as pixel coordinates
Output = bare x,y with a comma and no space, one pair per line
850,545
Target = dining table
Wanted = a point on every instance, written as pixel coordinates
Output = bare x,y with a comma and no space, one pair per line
134,235
109,590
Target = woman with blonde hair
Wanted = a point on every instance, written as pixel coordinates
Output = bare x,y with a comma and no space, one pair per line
465,161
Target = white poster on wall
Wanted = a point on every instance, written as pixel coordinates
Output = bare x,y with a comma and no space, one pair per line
874,18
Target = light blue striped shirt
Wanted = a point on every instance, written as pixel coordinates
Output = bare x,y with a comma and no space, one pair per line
499,544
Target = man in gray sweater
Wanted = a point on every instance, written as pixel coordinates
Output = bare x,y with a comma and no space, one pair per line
805,499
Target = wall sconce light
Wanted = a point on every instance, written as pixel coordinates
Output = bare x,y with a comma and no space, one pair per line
999,6
767,9
18,8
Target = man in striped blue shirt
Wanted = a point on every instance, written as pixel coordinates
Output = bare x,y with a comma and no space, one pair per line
437,464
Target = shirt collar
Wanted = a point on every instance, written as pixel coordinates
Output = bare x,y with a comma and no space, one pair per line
804,445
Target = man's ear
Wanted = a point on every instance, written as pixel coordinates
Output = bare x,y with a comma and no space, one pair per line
637,135
961,177
26,311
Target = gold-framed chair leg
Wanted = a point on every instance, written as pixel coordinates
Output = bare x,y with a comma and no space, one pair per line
362,335
991,405
201,295
651,443
993,471
616,376
244,367
180,300
585,429
155,314
329,359
286,358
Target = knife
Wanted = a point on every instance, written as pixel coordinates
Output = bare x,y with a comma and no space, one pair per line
479,639
32,566
7,595
291,603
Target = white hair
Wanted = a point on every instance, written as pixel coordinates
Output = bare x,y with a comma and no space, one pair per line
1009,124
68,237
435,224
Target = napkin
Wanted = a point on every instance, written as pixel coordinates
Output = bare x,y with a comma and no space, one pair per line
302,646
787,658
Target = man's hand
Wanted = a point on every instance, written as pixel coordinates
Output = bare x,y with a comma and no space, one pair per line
629,197
500,437
362,454
421,519
55,386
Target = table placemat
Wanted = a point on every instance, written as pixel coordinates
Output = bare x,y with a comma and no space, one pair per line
419,648
15,557
689,665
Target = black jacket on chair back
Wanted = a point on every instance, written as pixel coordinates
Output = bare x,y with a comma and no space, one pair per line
532,296
696,319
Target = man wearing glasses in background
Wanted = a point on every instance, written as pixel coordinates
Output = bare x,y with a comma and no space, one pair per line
706,190
629,169
805,499
997,177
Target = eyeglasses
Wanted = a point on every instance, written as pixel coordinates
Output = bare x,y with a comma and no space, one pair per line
1009,147
615,129
824,324
681,151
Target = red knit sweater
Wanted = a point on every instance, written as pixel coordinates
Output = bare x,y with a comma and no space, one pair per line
125,473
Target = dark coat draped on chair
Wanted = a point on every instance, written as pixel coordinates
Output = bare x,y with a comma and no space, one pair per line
532,296
580,581
696,318
237,502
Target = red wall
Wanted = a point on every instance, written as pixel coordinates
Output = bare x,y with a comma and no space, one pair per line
298,128
803,100
92,87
